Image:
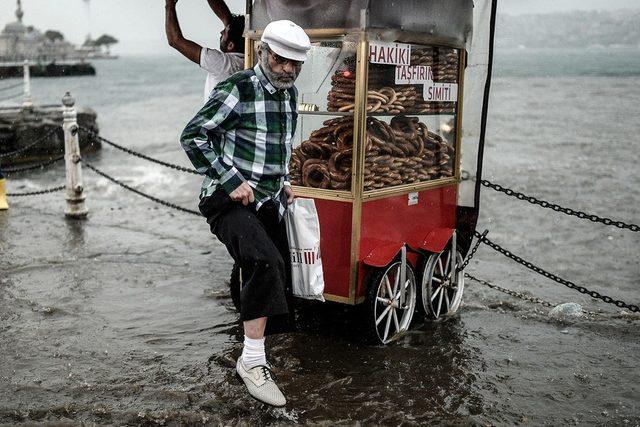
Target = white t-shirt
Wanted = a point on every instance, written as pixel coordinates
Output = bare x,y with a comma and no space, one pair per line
220,66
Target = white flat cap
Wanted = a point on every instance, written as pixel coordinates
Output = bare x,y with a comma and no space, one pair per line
287,39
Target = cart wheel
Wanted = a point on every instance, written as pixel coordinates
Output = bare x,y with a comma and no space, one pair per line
387,320
236,285
439,295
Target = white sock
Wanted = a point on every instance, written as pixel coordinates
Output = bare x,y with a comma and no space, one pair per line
253,352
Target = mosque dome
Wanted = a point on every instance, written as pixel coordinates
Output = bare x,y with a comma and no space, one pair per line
15,28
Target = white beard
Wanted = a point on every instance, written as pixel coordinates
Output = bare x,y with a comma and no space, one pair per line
274,77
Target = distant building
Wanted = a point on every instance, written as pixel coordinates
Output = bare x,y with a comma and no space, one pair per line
19,42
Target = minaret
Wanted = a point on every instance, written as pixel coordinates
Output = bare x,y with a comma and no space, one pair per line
19,13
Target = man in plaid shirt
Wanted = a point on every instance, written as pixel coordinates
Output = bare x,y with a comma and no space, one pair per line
241,141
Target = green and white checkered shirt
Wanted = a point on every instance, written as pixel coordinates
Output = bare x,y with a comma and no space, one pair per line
244,134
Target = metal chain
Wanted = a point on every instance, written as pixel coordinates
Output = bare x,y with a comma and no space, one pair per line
32,144
513,293
135,153
521,295
140,193
35,193
32,167
593,294
472,252
2,89
558,208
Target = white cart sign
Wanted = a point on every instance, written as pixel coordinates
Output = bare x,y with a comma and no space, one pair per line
440,92
389,53
431,92
416,74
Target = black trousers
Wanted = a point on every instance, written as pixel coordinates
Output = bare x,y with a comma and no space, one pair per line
258,244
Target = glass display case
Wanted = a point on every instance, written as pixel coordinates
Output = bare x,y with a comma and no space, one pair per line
410,116
322,152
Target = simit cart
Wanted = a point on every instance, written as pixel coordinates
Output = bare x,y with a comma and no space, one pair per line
389,145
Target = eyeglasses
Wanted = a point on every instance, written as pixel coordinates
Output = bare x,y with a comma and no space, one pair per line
282,61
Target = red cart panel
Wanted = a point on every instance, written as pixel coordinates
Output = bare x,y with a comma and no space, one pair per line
394,221
335,245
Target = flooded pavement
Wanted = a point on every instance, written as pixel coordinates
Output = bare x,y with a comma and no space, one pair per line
125,318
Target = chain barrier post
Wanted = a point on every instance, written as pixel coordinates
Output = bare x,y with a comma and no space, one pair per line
74,194
4,205
27,102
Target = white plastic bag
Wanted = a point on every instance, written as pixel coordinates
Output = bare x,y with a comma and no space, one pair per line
303,231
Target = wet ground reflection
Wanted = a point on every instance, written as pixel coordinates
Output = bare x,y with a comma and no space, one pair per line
326,369
115,322
145,343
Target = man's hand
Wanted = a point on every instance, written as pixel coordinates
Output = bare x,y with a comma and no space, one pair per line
221,10
244,194
289,192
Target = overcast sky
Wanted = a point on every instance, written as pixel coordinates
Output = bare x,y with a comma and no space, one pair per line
139,24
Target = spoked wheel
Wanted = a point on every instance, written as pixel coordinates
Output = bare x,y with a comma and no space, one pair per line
441,291
388,316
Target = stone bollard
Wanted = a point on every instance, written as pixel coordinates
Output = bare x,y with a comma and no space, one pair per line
74,194
27,102
4,205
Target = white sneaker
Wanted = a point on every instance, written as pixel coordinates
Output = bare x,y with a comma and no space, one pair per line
260,384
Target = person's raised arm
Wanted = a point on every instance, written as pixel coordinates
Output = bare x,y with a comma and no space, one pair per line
221,10
176,40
